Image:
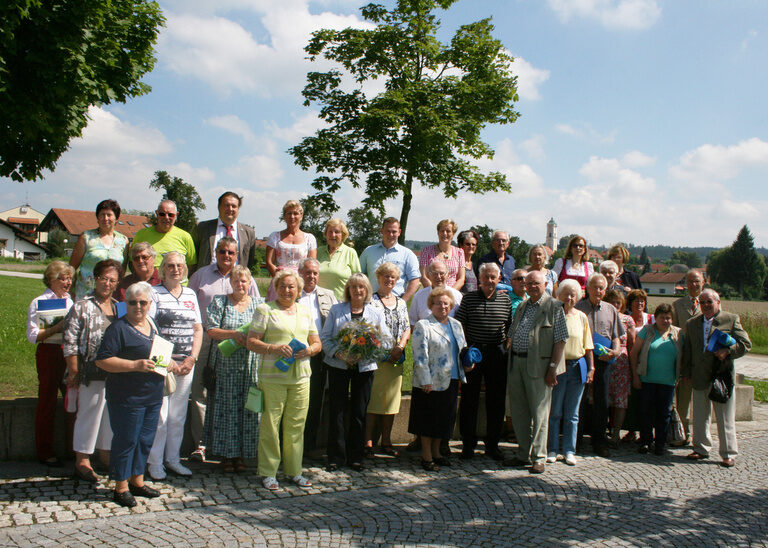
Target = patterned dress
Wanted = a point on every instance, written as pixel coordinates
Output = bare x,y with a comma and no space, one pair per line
621,372
388,379
230,429
96,251
288,255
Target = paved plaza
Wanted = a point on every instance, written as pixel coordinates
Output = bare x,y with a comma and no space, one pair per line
630,499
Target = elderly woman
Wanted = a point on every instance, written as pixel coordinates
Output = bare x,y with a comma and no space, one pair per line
468,243
97,245
48,356
637,299
177,316
626,278
142,268
538,258
85,325
347,378
437,371
575,263
286,248
338,261
610,270
444,251
134,394
388,378
275,326
231,430
579,370
620,386
655,360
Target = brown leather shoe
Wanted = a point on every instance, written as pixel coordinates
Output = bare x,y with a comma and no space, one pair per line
537,468
693,455
728,463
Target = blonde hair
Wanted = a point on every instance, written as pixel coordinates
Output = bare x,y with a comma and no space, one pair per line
448,222
277,280
292,204
337,223
239,270
362,279
439,292
619,249
54,271
388,268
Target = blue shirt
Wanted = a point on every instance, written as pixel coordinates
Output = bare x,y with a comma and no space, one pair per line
454,350
398,255
506,269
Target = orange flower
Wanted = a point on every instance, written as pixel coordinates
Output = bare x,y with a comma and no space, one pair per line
361,341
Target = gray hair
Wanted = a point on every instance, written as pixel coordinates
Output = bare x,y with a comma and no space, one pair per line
711,292
164,264
517,271
167,201
226,240
596,276
434,264
605,265
486,266
500,232
571,284
139,288
143,246
534,248
308,260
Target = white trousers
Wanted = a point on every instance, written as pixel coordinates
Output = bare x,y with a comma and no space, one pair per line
92,430
725,414
170,424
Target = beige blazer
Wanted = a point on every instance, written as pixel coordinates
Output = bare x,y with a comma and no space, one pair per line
682,307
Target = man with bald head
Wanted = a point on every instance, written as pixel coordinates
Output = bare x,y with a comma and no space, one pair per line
538,334
164,236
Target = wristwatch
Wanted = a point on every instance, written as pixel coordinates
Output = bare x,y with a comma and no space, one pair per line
553,365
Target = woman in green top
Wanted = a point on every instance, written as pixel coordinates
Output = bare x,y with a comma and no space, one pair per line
337,260
655,361
286,393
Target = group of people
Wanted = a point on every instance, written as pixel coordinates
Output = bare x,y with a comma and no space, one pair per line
555,349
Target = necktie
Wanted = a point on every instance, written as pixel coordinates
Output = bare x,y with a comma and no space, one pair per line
694,306
229,231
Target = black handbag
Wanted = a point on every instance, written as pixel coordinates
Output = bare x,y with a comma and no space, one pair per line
722,387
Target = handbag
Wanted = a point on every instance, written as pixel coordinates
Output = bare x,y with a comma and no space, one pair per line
722,387
255,400
169,385
675,432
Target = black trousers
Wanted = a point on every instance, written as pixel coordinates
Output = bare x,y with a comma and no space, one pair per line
317,384
347,389
601,404
493,369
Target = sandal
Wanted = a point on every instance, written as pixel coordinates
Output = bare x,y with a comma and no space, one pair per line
227,466
390,450
238,465
270,482
429,465
369,453
301,481
630,436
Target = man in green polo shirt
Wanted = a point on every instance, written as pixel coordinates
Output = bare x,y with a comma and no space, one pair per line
165,237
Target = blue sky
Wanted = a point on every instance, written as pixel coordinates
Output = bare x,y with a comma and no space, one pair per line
642,121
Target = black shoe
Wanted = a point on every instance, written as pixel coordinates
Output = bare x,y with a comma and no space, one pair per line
514,462
494,453
124,499
442,461
659,450
53,462
644,449
467,455
357,466
603,451
86,475
332,467
143,491
429,465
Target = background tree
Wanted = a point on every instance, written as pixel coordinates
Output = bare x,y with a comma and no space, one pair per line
739,267
364,227
58,243
484,242
519,250
425,127
315,218
59,57
689,258
185,195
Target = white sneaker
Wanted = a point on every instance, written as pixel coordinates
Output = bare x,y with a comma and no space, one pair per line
178,469
156,471
551,458
570,459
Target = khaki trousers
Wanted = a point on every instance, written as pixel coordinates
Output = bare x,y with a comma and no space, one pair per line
683,405
529,402
725,414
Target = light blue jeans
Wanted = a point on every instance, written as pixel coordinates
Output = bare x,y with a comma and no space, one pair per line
566,397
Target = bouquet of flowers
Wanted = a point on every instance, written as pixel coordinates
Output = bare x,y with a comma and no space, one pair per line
362,341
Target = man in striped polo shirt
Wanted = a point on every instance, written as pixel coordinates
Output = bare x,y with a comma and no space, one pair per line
485,315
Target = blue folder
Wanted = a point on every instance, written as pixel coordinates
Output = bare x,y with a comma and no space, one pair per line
284,363
603,341
718,339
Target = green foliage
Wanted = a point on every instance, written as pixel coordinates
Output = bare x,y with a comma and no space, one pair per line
364,227
315,217
519,250
58,58
690,259
761,388
739,267
56,245
484,242
185,195
425,127
259,270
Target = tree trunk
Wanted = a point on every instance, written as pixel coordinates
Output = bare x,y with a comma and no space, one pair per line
406,210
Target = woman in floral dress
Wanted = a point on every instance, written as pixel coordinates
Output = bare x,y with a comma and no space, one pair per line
621,374
287,248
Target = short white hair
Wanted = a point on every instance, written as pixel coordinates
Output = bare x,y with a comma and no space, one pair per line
139,288
711,292
308,260
572,285
486,266
597,276
605,265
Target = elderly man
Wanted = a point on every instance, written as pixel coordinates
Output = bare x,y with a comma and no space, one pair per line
604,321
518,294
686,308
319,302
208,282
699,367
538,334
142,269
437,273
209,233
165,237
499,256
391,251
485,315
610,270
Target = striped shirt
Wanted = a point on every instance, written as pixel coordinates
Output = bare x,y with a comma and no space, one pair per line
485,321
176,318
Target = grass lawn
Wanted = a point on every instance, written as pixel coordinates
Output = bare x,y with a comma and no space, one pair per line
761,389
18,376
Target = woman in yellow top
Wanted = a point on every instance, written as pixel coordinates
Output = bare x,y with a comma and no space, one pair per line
286,393
567,392
337,260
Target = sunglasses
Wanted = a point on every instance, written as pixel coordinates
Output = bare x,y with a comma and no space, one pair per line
226,252
164,214
137,303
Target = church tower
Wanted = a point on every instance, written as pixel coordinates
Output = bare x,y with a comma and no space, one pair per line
551,241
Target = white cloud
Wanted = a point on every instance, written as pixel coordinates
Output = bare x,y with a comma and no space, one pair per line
192,175
106,134
567,129
534,147
751,35
612,14
233,124
585,132
262,171
303,126
529,78
636,158
717,163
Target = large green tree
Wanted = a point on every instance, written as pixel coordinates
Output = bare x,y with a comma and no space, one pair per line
58,58
739,267
188,201
425,126
364,226
690,259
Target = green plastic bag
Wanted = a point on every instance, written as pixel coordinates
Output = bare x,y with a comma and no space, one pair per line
255,401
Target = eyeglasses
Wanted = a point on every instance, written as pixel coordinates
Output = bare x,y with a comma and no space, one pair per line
110,281
143,258
138,303
174,266
500,240
226,252
164,214
578,245
518,279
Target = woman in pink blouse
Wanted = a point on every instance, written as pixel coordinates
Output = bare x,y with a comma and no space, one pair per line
451,255
288,247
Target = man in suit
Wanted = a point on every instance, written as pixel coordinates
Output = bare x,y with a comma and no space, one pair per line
319,302
209,233
686,308
538,334
699,366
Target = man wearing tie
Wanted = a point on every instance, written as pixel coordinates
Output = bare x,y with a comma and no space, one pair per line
686,308
699,367
209,233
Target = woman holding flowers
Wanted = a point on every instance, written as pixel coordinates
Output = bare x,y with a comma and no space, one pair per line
388,379
277,328
231,431
355,336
